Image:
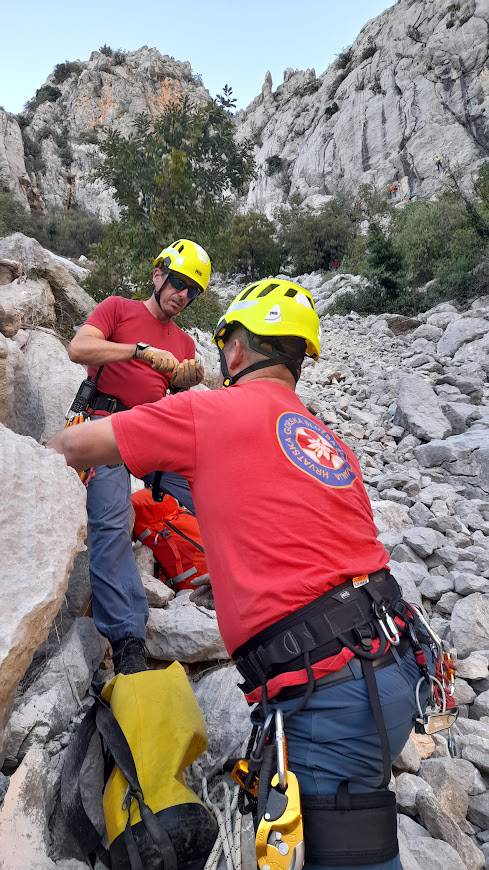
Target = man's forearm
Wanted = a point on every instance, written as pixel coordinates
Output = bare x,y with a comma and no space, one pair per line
88,444
93,351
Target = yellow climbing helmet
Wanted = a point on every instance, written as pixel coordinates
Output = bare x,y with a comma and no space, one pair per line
187,258
274,306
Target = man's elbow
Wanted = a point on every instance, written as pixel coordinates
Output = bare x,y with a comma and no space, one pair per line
74,352
64,445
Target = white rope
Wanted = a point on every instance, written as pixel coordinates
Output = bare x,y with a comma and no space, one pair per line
224,805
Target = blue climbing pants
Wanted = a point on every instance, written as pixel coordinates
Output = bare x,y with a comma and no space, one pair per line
119,604
335,737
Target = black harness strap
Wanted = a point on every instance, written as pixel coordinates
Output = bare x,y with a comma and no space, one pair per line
373,696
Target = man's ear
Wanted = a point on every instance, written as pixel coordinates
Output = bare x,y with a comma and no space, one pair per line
236,355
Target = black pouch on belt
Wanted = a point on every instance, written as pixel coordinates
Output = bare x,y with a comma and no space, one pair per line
350,829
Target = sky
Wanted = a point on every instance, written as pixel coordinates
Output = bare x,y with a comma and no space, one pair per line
226,41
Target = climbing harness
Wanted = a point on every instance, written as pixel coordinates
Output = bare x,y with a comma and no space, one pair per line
87,400
368,616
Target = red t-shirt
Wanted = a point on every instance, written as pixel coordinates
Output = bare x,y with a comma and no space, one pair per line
126,321
282,508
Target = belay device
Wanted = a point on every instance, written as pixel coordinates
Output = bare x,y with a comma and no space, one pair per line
279,834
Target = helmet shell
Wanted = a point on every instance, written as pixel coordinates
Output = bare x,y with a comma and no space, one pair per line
274,306
187,258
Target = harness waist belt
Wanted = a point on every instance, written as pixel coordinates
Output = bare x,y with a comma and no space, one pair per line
351,671
104,402
344,616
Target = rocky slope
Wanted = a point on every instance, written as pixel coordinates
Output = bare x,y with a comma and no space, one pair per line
414,86
410,396
48,162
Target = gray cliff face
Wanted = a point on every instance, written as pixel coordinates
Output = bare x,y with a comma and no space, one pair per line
60,138
13,174
408,102
413,87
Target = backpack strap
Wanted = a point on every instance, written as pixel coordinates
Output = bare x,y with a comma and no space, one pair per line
120,750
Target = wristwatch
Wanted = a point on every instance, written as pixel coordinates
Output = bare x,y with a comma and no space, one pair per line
140,348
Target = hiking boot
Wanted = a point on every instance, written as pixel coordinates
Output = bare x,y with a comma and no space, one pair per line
129,655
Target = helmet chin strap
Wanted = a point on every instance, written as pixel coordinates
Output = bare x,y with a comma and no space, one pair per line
271,359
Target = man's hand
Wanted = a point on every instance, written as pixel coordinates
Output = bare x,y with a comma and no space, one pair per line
160,360
187,374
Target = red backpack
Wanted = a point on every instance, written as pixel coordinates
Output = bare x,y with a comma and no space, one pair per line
173,534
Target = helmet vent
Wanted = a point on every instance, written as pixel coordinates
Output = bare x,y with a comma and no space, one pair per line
266,290
246,293
291,292
181,248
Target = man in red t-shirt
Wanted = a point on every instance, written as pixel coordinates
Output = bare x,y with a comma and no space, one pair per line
285,519
136,353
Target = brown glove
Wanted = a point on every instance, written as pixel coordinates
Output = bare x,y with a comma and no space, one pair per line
187,374
202,594
160,360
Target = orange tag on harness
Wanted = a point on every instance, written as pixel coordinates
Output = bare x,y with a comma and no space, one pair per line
359,580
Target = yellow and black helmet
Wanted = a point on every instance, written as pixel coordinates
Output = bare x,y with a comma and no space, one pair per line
188,259
274,307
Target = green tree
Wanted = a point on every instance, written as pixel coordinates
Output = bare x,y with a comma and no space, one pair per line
311,240
172,177
251,246
432,237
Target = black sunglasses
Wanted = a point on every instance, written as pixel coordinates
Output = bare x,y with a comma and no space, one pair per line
180,284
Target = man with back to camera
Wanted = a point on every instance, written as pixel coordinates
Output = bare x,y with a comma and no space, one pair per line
289,534
138,353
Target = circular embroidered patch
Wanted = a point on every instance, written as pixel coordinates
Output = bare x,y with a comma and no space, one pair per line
314,450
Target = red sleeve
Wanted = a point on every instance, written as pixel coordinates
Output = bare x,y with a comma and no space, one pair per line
104,316
159,436
190,353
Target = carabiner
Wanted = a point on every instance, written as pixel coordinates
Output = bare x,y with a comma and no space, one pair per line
381,613
281,749
257,751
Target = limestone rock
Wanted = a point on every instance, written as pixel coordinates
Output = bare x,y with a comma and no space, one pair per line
460,332
105,92
36,561
418,409
226,713
441,826
423,541
184,632
23,817
47,706
13,174
157,592
55,376
448,784
470,624
408,789
27,302
74,304
409,759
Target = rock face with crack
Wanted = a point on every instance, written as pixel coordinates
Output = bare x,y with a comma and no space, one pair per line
393,109
47,504
60,134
